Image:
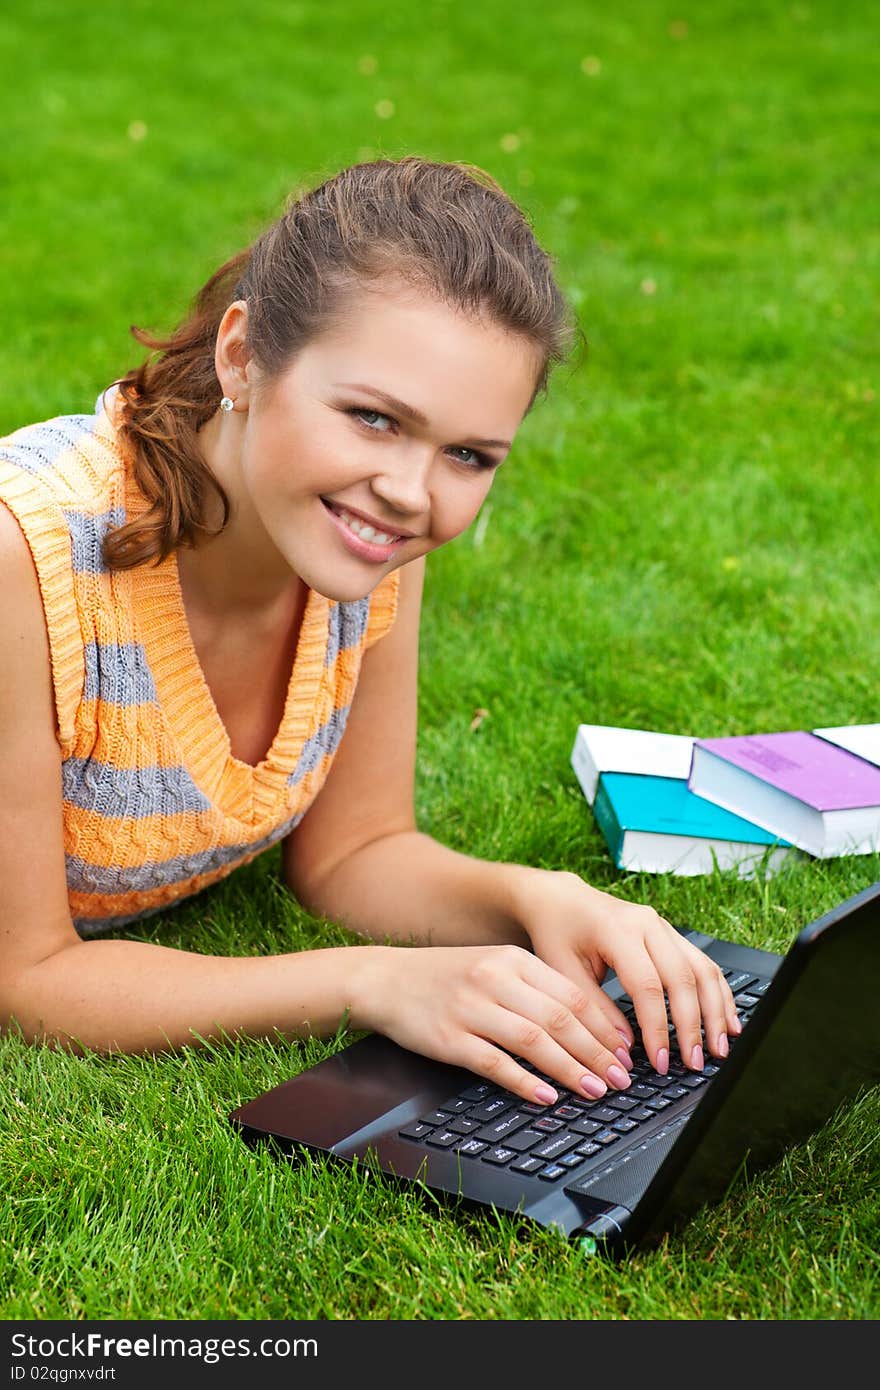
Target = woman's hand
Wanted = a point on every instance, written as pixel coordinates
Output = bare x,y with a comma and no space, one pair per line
581,931
483,1007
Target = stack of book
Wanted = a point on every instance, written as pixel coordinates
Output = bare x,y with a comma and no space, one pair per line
669,803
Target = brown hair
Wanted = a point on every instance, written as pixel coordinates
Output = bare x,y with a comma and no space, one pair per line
447,228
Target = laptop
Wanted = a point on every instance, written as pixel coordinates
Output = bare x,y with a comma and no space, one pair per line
621,1172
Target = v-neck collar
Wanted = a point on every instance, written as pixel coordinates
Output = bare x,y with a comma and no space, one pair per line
247,793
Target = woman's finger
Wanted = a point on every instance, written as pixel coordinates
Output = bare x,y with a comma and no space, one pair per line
586,999
606,1019
677,971
638,973
552,1036
720,1018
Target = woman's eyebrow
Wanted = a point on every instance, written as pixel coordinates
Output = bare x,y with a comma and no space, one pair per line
409,412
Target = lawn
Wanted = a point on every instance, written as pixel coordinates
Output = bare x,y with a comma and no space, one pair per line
685,538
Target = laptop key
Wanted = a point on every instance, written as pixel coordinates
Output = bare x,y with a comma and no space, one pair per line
463,1125
442,1139
481,1091
585,1126
621,1103
471,1148
624,1125
588,1150
501,1127
604,1113
417,1130
524,1139
435,1117
499,1155
527,1164
552,1172
495,1106
556,1145
547,1124
606,1136
740,981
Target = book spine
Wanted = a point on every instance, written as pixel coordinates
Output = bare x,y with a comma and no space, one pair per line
584,768
608,823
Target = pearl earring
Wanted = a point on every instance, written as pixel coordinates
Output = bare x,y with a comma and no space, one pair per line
227,403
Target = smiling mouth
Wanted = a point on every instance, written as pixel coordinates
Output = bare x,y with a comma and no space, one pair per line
362,528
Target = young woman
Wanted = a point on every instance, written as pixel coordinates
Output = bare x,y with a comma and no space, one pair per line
217,575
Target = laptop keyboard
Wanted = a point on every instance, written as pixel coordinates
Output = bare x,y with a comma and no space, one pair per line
490,1125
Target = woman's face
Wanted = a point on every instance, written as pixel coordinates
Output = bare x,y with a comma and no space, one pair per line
380,442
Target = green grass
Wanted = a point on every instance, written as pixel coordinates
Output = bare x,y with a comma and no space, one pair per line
685,538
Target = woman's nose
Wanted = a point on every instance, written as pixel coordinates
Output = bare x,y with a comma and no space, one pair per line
403,485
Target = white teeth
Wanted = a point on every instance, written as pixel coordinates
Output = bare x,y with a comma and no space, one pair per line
362,529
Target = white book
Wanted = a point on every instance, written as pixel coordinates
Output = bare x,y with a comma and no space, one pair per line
861,739
602,748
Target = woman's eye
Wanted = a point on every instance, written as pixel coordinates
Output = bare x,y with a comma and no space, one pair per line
369,418
475,459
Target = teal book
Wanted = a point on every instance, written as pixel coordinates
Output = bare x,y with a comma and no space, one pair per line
658,825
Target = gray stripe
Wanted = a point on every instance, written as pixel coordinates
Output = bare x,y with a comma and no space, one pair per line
45,442
92,926
119,673
348,623
87,538
143,878
129,792
325,740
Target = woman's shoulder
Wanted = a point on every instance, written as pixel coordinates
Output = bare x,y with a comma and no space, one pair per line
71,456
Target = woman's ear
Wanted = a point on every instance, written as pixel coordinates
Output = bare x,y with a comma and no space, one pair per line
232,357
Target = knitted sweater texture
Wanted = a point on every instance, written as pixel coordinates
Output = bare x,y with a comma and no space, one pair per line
156,808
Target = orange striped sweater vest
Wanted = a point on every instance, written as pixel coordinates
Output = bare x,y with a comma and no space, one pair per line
155,805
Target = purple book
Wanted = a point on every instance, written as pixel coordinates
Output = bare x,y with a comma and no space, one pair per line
810,792
821,774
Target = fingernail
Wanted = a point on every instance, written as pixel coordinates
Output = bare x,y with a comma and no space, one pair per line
622,1055
723,1046
618,1077
627,1040
736,1026
545,1095
592,1086
662,1063
697,1058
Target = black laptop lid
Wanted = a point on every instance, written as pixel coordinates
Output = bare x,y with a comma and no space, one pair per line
812,1045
